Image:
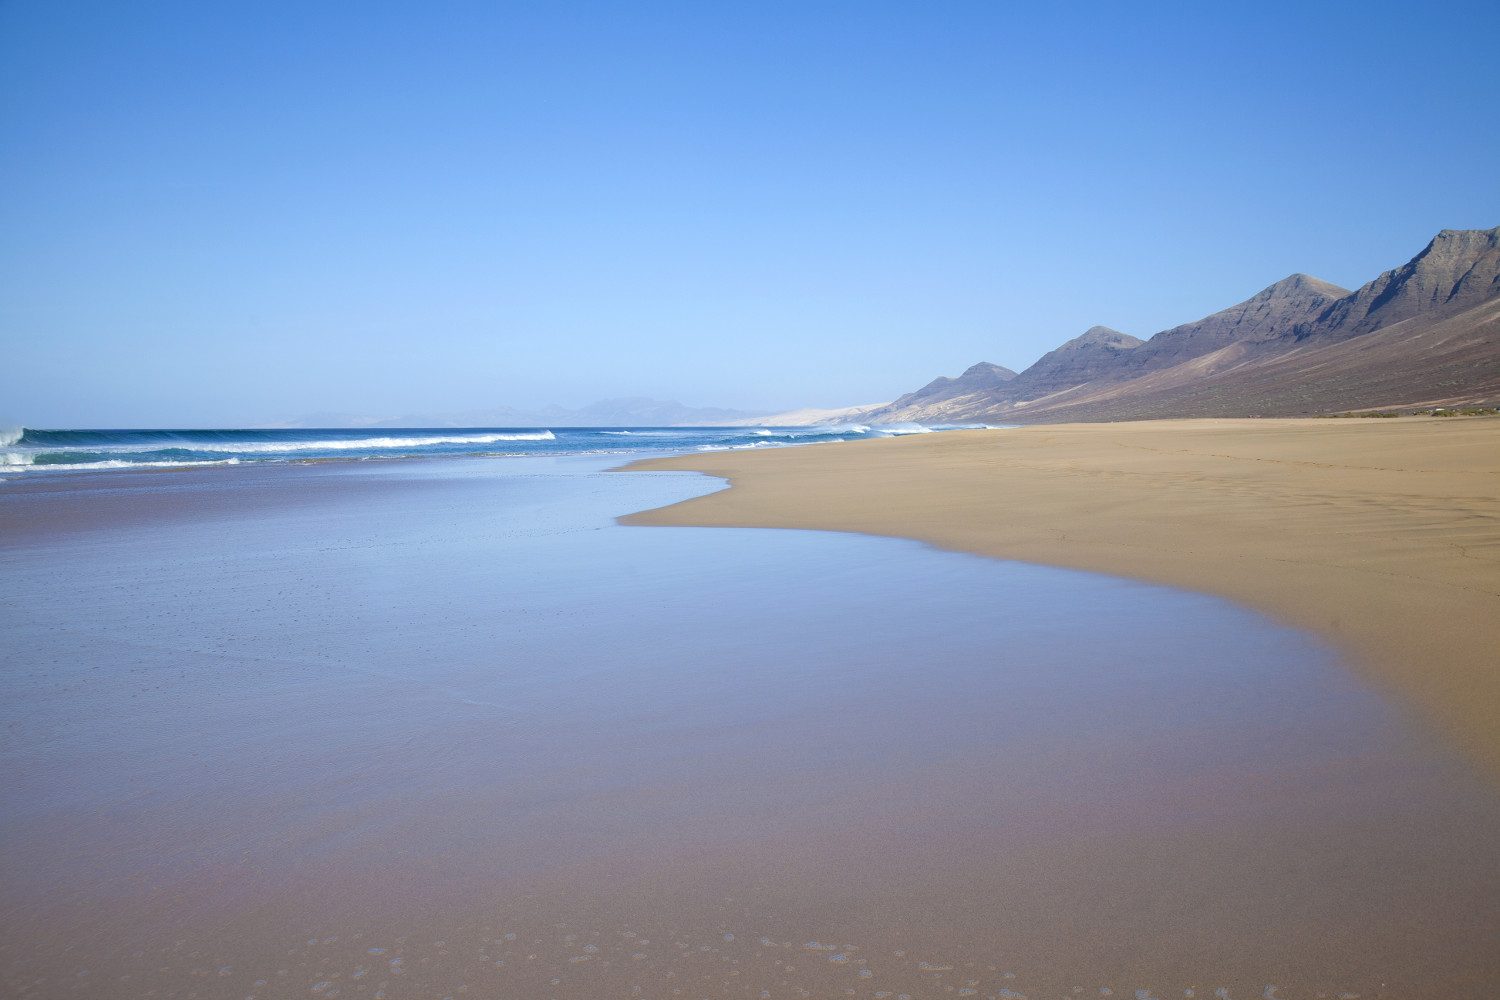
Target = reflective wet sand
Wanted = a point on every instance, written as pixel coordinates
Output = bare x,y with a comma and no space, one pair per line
442,729
1380,536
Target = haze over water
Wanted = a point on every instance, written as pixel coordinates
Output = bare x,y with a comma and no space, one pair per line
344,729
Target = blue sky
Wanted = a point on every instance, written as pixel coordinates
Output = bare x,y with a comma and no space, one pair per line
231,213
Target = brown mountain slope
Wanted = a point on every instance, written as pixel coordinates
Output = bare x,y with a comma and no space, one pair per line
1102,353
1083,358
1459,269
1097,354
1446,361
1268,316
977,386
1423,334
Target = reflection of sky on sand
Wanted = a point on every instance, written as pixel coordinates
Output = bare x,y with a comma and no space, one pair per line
455,698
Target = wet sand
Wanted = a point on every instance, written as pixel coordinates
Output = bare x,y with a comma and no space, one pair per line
1381,536
442,729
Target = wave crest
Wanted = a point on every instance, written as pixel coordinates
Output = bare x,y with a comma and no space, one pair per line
371,444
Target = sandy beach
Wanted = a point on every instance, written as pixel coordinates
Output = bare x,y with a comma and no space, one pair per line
439,728
1381,536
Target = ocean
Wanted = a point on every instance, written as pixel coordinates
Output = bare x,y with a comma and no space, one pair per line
30,450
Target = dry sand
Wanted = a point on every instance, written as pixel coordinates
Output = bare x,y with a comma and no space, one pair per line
1382,536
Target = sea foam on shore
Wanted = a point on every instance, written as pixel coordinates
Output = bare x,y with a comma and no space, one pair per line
54,451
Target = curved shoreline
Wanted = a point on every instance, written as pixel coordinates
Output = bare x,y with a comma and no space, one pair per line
1383,537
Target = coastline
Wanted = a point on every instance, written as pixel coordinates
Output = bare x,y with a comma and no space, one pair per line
1382,537
374,719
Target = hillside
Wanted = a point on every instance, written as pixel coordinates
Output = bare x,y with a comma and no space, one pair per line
1421,335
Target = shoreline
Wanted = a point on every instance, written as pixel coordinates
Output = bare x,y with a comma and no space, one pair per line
331,719
1382,538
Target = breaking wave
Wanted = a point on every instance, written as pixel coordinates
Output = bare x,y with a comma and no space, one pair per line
35,451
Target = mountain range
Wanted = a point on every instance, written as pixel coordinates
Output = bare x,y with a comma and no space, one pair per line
1423,335
1420,336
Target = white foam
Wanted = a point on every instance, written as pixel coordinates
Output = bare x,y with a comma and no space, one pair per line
350,444
211,449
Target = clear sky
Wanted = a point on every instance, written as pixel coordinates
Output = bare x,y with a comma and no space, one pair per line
234,212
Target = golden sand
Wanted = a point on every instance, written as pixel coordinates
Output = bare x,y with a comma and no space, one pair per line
1382,536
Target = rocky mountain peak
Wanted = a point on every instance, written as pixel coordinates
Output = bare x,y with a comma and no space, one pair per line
985,370
978,381
1459,268
1299,285
1271,314
1280,351
1102,336
1094,353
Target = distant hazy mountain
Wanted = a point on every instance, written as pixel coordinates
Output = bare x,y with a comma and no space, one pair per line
631,412
1423,334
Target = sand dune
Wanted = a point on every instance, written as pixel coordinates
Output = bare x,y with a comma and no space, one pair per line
1382,536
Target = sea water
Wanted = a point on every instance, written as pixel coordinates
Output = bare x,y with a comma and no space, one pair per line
442,728
53,451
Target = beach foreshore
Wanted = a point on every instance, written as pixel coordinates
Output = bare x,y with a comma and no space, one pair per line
1381,536
429,727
